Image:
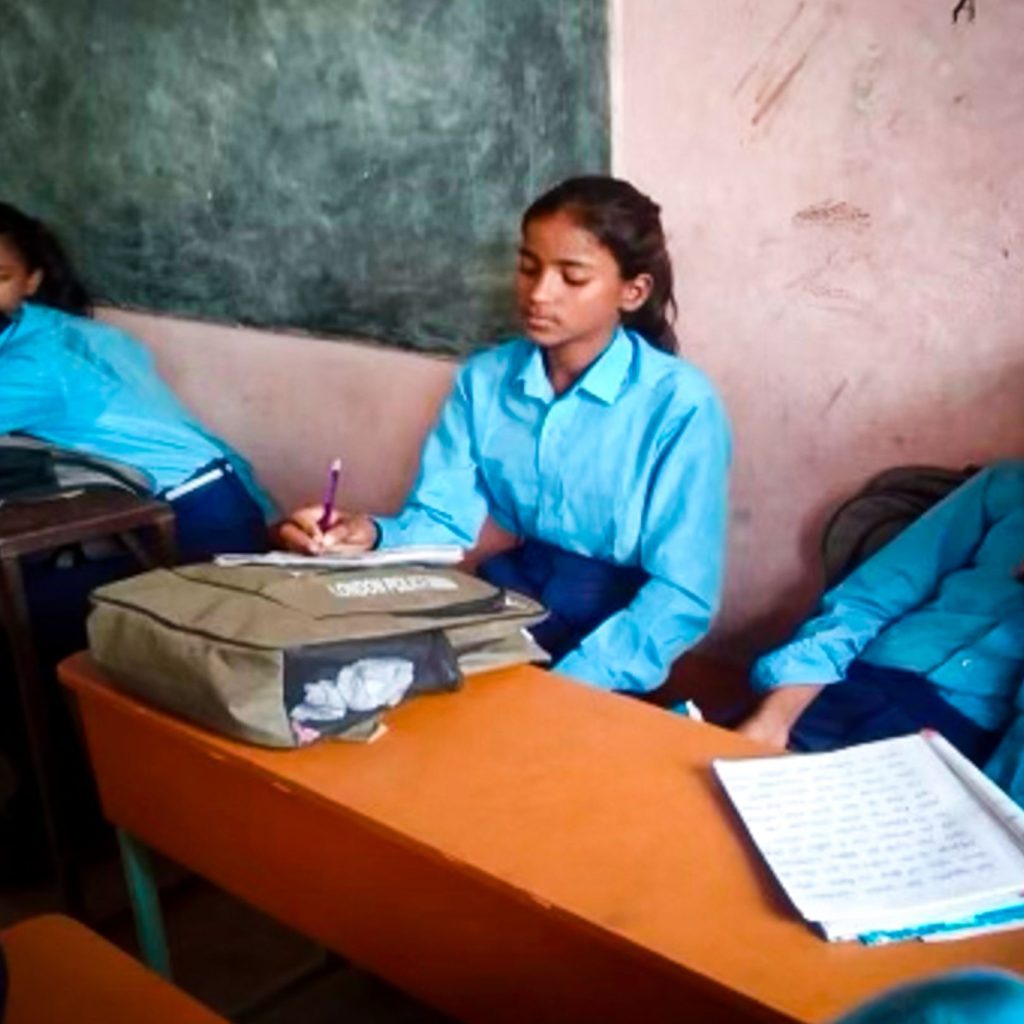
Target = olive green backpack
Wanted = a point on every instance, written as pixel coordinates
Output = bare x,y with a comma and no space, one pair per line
283,656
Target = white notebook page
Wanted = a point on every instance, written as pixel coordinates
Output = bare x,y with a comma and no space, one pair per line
875,829
422,554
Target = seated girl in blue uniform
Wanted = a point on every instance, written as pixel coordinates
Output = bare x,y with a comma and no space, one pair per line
929,632
589,440
84,385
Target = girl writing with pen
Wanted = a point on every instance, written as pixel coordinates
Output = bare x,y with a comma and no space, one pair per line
588,439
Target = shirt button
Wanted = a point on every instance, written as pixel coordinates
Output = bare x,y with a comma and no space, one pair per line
966,663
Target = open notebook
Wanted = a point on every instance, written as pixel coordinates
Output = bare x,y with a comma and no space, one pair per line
419,554
896,839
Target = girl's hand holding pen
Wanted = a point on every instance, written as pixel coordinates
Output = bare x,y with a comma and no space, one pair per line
322,529
346,532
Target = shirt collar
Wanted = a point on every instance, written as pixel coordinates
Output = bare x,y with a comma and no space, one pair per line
606,374
533,378
603,378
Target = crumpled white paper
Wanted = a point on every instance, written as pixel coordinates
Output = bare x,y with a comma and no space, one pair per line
365,685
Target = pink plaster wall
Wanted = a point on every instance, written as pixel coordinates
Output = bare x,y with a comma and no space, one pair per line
291,404
844,188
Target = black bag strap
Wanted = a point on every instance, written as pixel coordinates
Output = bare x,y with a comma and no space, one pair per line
25,470
888,503
32,468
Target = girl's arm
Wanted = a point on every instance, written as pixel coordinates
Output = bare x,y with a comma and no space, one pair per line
448,503
682,549
900,577
31,394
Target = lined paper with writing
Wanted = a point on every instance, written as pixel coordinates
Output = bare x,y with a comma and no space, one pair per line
884,832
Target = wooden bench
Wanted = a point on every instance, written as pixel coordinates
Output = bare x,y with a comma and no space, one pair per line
59,971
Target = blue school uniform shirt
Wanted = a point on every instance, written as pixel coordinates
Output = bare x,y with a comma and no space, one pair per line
942,600
87,386
628,466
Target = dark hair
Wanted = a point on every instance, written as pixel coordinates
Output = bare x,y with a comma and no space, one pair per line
39,248
628,224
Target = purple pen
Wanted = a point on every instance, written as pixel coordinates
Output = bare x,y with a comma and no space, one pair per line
330,494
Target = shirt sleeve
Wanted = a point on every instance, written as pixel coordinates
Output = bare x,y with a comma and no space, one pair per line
682,549
448,503
899,578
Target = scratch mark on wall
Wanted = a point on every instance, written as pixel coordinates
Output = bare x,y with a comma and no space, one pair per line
779,36
964,7
767,81
833,214
776,93
834,397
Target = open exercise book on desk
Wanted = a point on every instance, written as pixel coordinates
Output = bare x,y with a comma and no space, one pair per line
897,839
419,554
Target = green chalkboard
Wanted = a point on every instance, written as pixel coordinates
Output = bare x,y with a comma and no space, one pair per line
349,167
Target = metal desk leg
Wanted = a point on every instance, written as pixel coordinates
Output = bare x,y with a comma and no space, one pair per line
34,709
142,890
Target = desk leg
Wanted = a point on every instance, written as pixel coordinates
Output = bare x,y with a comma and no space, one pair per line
142,890
166,540
164,546
34,710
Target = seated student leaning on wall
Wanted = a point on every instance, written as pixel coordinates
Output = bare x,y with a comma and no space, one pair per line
87,387
69,380
928,633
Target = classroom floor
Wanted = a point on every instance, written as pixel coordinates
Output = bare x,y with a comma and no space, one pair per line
234,959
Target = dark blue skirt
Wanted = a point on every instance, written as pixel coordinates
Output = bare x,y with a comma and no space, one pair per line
876,703
222,516
579,592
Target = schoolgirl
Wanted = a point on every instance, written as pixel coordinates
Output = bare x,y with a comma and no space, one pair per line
588,439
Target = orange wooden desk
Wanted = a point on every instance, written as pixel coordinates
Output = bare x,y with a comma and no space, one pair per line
526,849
